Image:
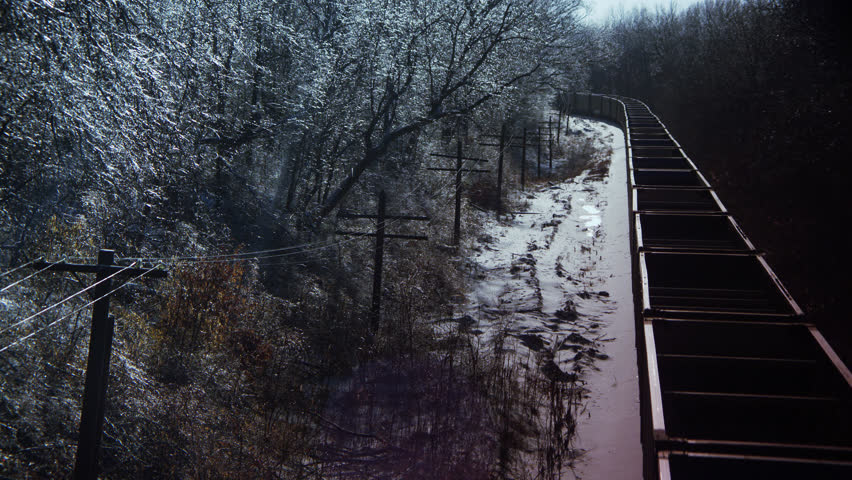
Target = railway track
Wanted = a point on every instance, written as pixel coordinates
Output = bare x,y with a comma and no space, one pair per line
735,382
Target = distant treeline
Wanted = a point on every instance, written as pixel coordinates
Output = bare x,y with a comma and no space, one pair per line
757,92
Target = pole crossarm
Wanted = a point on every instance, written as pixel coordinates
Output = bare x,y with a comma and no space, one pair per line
378,260
460,158
107,269
386,235
416,218
466,170
470,159
86,463
514,145
529,134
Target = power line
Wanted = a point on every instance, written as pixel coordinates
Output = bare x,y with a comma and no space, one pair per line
44,310
30,335
18,268
316,246
288,250
7,287
296,249
195,258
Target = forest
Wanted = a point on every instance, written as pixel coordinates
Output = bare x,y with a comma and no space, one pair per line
220,140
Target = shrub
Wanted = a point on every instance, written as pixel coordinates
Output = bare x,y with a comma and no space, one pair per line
203,303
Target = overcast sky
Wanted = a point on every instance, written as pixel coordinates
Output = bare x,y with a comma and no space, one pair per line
600,9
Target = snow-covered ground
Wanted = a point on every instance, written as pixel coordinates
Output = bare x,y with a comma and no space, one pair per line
559,281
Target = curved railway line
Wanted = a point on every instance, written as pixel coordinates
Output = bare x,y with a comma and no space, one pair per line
735,382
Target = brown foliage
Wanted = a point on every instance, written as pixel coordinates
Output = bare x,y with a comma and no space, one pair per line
203,304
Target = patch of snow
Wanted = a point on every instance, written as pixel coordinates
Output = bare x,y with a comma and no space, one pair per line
563,276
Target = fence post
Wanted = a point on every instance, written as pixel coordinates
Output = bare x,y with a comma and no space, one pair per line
97,374
377,268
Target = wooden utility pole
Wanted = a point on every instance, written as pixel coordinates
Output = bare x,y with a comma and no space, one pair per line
549,123
550,144
524,160
559,127
100,349
381,217
378,260
97,374
538,154
502,145
568,110
500,170
459,159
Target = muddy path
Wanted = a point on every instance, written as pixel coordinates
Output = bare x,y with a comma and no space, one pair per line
555,286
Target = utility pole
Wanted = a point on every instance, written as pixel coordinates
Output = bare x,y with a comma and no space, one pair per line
500,170
378,260
502,145
458,170
524,160
381,235
100,349
538,153
550,144
559,126
549,123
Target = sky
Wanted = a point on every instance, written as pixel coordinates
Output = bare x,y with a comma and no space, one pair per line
600,9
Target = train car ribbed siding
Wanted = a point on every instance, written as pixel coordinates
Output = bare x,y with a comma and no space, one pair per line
735,381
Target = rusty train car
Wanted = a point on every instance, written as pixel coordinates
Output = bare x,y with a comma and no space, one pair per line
735,382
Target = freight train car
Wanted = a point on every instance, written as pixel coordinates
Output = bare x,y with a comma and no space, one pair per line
735,382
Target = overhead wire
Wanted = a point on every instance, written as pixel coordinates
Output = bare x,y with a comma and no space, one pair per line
296,249
291,250
314,246
7,287
193,258
322,245
307,247
64,300
36,332
321,256
9,272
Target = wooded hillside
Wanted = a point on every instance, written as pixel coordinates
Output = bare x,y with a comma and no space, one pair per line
217,140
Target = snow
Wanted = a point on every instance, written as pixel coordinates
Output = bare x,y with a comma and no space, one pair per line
592,220
572,255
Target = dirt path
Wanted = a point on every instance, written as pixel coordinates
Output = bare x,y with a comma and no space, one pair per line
557,282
